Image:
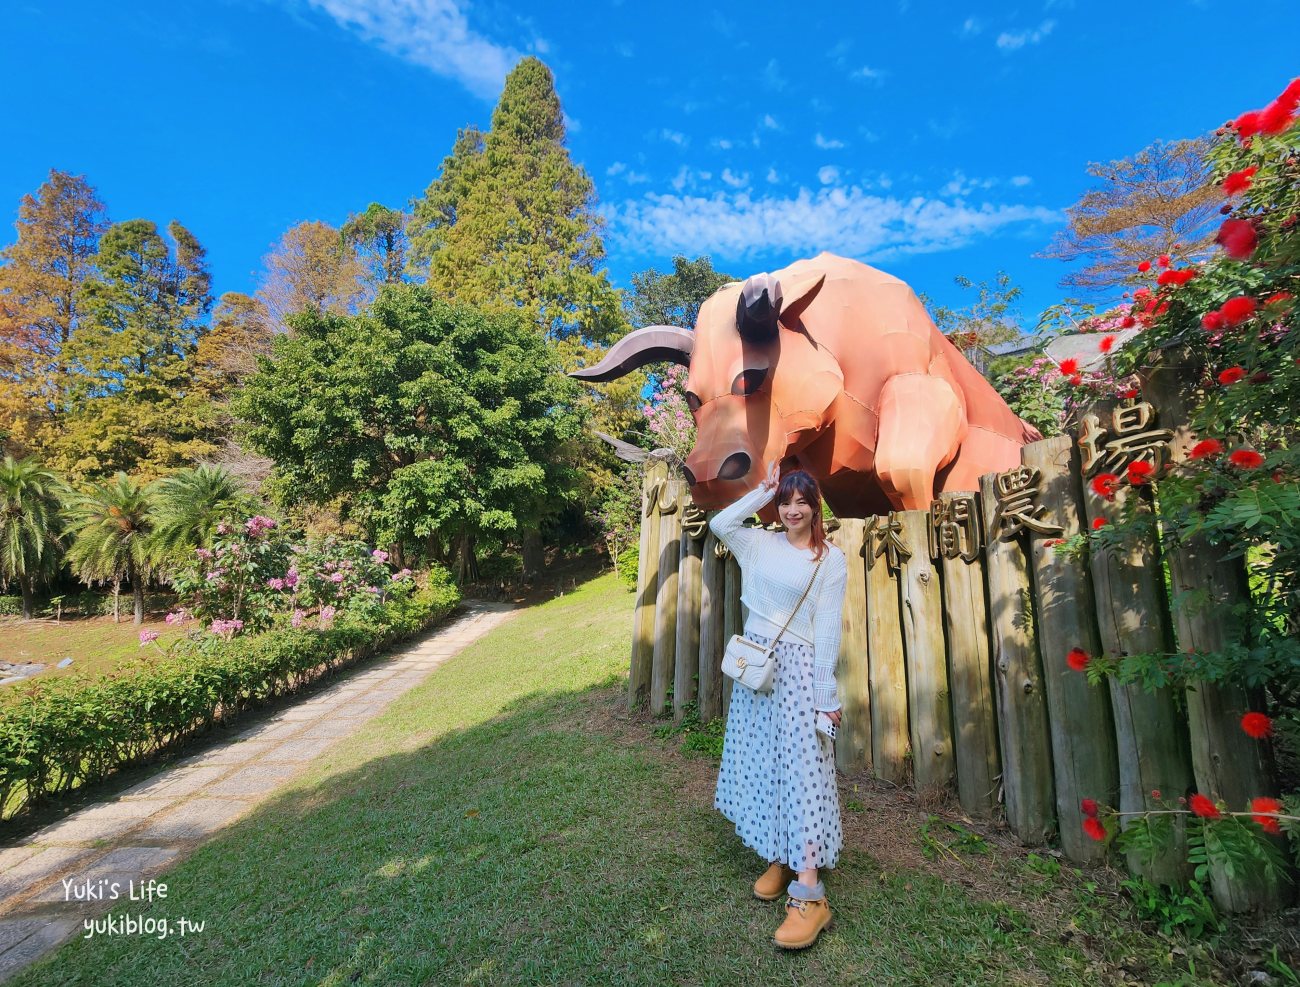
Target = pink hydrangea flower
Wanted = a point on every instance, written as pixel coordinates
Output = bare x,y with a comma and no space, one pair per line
379,555
147,637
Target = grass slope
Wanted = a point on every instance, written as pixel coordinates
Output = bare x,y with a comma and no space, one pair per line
509,822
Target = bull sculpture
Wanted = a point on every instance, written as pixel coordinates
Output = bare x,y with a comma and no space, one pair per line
833,367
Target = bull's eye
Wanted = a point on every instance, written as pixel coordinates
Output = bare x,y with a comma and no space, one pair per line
693,401
749,381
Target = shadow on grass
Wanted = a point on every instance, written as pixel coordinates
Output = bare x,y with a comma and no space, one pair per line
549,843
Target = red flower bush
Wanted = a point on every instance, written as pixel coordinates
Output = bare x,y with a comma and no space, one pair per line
1262,805
1106,344
1231,375
1105,485
1078,659
1163,260
1139,472
1094,828
1212,321
1144,266
1237,310
1246,459
1178,277
1239,181
1069,366
1206,449
1256,725
1204,808
1089,808
1098,523
1238,239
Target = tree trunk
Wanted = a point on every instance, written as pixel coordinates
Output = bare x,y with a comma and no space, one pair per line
466,564
29,598
137,591
534,559
117,599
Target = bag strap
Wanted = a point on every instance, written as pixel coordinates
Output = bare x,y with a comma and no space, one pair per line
801,599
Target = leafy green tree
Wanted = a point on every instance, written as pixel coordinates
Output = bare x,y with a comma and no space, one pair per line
510,224
131,405
990,319
111,526
445,426
186,508
31,520
379,238
41,276
673,299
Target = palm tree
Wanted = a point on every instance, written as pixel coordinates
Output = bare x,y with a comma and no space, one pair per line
31,501
110,526
186,509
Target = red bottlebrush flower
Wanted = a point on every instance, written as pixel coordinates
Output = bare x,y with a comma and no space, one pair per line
1206,449
1239,181
1089,808
1129,322
1204,808
1076,379
1129,394
1163,260
1256,725
1095,829
1144,266
1276,118
1291,94
1178,277
1246,459
1247,124
1098,523
1141,293
1212,321
1068,366
1139,472
1266,805
1238,239
1105,484
1231,375
1279,298
1106,344
1237,310
1078,659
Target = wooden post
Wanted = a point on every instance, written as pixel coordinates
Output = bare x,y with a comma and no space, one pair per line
1226,762
733,619
665,647
970,667
712,590
1082,727
647,583
886,667
1151,738
929,700
687,650
853,743
1018,677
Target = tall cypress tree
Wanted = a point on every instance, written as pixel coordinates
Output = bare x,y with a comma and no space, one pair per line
510,223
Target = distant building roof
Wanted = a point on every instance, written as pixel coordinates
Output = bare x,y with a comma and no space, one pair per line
1022,345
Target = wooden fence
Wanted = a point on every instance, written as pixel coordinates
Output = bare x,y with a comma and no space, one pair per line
956,630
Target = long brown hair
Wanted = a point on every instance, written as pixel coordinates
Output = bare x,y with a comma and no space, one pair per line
802,483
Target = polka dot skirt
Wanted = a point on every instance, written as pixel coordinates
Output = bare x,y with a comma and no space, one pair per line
777,779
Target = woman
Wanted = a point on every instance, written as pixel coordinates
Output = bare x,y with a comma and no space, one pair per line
777,779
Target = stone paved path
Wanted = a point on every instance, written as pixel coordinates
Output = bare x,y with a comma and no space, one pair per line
153,824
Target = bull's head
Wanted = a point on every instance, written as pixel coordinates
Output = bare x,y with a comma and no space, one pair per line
759,386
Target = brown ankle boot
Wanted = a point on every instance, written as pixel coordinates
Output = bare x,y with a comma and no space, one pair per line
773,882
804,921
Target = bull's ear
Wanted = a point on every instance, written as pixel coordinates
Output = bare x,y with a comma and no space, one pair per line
799,296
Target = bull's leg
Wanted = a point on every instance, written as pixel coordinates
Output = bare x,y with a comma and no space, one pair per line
922,424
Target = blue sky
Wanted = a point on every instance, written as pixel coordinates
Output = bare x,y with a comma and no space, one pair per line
927,139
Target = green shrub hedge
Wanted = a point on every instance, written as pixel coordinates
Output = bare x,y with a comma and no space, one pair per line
10,605
60,733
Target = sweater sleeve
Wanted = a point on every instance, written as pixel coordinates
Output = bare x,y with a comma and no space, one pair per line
728,523
826,631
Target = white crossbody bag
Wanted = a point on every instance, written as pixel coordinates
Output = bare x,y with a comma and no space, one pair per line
751,664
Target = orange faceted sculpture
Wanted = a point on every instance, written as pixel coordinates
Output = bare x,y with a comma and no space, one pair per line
833,367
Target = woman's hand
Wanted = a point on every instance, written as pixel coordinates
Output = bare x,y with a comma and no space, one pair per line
834,716
773,475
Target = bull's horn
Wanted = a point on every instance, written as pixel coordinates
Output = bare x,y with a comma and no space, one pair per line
639,347
758,307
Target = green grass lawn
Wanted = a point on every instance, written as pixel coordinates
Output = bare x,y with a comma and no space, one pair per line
510,822
95,644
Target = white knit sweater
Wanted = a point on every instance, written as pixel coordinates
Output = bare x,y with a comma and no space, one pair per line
774,574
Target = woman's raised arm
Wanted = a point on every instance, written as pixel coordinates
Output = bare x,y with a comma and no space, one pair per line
728,523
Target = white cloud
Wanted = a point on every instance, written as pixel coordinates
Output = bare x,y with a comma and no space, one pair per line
675,136
734,180
432,33
770,123
1020,181
772,77
571,124
827,144
972,27
828,174
722,143
637,178
1008,41
618,167
772,176
867,72
848,220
